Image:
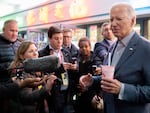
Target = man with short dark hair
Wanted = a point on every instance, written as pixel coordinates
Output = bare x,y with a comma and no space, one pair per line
58,99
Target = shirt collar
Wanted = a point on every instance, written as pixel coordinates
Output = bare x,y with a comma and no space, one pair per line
110,41
50,47
67,46
126,39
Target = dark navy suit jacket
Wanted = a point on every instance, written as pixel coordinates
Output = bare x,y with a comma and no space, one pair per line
101,49
133,69
74,51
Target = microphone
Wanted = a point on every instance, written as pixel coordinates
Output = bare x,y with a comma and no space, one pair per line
43,64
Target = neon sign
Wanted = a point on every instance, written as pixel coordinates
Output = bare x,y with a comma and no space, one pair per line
30,18
78,9
58,11
43,14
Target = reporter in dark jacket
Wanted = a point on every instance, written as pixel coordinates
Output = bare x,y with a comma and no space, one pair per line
58,101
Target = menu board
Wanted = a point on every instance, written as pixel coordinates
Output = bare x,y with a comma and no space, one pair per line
40,38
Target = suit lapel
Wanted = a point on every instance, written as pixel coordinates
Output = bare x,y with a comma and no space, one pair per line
106,42
128,52
111,50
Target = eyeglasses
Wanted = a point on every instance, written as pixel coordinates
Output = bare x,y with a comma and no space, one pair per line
67,36
106,30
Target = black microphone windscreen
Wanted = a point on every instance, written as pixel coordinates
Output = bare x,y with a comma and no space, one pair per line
43,64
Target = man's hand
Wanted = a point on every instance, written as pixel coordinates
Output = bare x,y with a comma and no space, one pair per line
27,82
73,66
85,81
97,102
66,65
110,85
50,82
98,71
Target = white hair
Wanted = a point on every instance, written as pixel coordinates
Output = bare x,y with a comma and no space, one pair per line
130,9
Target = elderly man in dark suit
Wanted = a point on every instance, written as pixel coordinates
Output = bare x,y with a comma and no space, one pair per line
129,91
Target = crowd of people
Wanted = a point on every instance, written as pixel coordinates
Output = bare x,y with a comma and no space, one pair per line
81,83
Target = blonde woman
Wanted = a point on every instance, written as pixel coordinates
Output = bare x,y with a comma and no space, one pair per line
32,99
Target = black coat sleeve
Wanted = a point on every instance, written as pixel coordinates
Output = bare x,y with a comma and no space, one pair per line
8,90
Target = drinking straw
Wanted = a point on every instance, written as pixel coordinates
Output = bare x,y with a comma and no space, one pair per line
109,58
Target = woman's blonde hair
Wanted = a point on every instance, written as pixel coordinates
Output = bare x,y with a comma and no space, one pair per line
20,53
